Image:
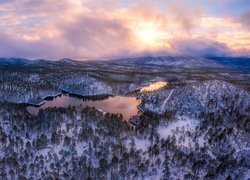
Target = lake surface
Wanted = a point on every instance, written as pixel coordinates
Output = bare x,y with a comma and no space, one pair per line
127,106
153,86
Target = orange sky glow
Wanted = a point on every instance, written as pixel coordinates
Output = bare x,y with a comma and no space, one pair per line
108,29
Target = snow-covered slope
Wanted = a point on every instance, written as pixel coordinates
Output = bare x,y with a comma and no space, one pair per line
85,86
196,97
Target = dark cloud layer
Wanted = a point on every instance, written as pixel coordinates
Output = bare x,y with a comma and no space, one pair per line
51,48
18,47
200,47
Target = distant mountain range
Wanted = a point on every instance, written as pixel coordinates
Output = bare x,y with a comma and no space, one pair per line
241,63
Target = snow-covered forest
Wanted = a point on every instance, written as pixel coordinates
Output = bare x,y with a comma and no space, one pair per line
197,127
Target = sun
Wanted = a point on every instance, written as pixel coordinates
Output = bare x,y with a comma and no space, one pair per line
149,34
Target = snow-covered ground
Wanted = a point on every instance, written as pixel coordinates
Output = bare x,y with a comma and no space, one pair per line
194,98
200,131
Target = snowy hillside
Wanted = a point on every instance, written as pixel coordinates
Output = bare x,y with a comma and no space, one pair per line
196,126
196,97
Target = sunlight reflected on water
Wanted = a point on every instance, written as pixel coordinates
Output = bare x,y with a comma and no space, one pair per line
127,106
154,86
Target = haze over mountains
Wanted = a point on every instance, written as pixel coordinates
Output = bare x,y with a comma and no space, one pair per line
242,63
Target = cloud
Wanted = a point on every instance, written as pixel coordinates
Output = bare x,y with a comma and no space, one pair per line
200,47
18,47
84,37
185,17
95,35
107,29
244,19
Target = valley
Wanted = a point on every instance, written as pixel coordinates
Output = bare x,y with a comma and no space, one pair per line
66,118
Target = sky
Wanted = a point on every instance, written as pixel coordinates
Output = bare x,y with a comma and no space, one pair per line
102,29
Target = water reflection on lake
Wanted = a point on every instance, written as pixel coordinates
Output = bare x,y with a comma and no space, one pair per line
154,86
117,104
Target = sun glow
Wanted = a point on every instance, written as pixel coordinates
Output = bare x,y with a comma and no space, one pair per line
150,34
